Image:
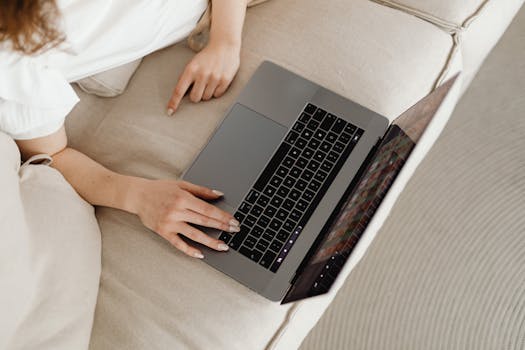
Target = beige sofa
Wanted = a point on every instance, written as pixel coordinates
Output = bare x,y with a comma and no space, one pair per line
383,54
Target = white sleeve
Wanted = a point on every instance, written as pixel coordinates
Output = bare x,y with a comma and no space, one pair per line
34,99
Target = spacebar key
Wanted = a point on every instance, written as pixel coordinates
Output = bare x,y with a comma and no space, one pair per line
271,168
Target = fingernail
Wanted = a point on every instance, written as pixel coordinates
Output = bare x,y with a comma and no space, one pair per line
218,193
198,255
223,247
234,222
234,229
170,112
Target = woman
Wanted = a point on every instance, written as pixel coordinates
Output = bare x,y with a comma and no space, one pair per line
46,44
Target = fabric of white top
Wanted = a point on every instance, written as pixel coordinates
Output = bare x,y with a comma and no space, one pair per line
35,94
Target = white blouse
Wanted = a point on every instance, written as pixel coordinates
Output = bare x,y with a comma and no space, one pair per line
35,94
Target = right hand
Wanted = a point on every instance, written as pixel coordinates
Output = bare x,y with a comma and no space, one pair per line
168,207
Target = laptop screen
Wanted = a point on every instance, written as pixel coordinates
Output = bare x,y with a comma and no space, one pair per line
352,215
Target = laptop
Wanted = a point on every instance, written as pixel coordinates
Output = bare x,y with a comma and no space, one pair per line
304,171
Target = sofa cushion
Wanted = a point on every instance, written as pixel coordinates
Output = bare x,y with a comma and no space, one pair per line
445,12
49,258
151,294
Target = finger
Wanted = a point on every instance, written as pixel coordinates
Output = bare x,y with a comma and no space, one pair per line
178,243
222,87
199,236
183,84
198,89
200,191
201,220
213,82
206,209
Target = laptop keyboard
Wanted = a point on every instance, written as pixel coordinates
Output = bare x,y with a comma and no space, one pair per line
282,200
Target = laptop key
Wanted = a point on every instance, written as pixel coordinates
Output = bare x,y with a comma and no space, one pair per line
269,190
267,259
319,114
320,176
282,171
307,134
305,117
292,137
276,246
256,210
257,231
287,162
263,200
314,185
250,241
301,143
262,245
282,235
225,237
245,207
325,146
269,235
270,211
339,147
307,175
332,156
301,185
249,221
327,166
320,134
302,205
314,143
281,214
294,194
310,108
298,126
288,204
254,255
313,165
350,128
295,172
237,239
252,196
283,191
344,137
263,221
295,215
308,195
319,156
331,137
276,201
302,162
239,216
275,224
338,126
276,181
328,121
312,124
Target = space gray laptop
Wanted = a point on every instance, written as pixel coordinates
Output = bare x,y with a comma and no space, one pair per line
303,170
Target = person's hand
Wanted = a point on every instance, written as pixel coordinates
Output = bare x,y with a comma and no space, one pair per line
169,207
210,71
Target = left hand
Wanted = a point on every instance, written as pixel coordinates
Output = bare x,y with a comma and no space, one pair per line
210,71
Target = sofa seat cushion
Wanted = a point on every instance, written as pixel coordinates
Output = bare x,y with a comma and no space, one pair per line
152,296
49,258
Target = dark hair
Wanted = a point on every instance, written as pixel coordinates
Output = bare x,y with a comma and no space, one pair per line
31,26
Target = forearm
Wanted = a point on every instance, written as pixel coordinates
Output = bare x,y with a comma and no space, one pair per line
95,183
227,21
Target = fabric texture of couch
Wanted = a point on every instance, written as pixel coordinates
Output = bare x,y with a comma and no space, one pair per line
383,57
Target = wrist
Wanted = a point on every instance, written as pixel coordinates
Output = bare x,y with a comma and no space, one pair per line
224,41
132,192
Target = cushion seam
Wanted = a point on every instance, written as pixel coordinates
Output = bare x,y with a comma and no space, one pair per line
448,26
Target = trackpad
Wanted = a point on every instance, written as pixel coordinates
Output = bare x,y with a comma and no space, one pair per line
236,154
